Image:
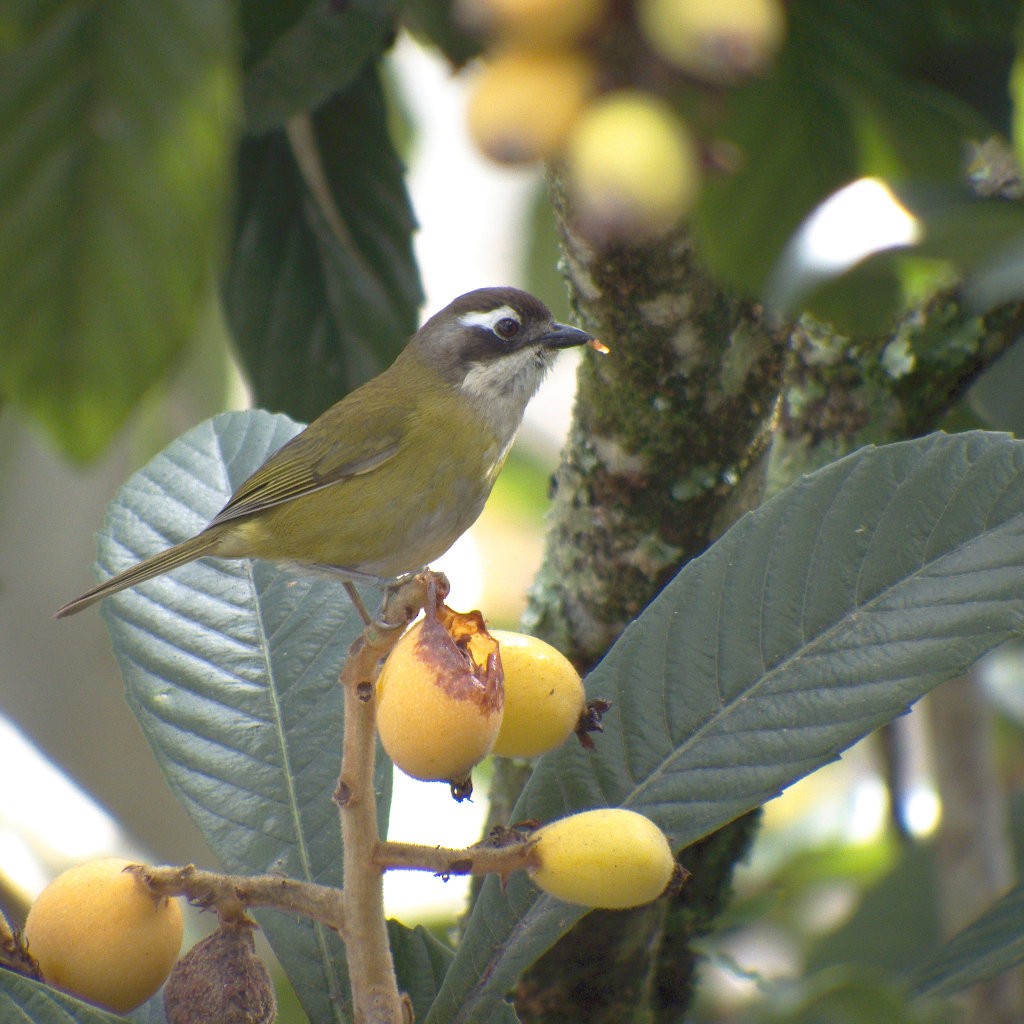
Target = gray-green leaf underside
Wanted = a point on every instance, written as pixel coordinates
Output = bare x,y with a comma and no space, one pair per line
816,619
232,670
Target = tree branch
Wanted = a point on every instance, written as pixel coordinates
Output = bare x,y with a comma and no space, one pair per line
375,995
210,888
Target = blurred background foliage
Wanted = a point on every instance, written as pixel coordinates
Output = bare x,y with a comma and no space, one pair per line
204,205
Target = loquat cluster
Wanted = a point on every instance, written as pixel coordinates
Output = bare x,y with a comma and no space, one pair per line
600,86
451,692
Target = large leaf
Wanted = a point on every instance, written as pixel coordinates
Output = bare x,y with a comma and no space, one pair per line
232,670
841,102
895,923
300,54
421,962
814,620
991,944
24,1001
315,313
115,134
437,21
1016,89
982,238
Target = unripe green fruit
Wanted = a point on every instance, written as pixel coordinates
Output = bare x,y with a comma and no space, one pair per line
544,696
439,704
717,40
611,858
98,933
633,167
524,102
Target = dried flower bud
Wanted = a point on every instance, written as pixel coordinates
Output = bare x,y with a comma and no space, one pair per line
221,980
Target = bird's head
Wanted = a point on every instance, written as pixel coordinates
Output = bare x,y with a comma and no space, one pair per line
495,345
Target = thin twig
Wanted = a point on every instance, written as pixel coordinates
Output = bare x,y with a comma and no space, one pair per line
210,889
324,903
443,861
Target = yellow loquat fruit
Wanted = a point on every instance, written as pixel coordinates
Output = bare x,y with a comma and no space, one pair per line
544,696
97,932
611,858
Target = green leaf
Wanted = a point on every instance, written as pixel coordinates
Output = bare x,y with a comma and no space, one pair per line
982,238
315,313
150,1012
1016,86
304,54
231,668
895,923
995,395
436,22
24,1001
115,129
847,993
744,219
966,55
1000,279
421,961
543,255
987,947
814,620
839,299
841,102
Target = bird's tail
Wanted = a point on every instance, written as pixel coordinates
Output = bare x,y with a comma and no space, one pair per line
186,551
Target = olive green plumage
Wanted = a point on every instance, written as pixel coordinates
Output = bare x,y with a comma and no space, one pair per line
387,479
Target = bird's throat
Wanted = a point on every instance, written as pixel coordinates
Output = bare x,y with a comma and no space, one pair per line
500,390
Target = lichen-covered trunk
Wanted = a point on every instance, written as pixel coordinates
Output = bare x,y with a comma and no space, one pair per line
664,453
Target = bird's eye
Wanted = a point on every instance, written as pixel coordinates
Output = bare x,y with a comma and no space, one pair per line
506,328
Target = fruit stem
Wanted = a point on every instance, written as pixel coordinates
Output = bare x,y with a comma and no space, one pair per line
480,859
13,953
212,889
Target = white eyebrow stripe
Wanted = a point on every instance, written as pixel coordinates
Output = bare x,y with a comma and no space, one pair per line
489,318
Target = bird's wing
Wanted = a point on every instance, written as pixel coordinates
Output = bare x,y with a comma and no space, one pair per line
311,461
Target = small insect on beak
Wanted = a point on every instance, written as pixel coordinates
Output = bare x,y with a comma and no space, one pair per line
598,346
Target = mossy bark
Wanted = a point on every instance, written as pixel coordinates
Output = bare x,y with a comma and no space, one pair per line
664,453
842,392
665,428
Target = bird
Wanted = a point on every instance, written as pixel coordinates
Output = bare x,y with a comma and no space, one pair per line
387,479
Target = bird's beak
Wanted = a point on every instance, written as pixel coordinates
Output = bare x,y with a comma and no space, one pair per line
564,336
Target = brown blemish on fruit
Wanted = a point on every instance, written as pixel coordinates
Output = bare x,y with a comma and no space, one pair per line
462,657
